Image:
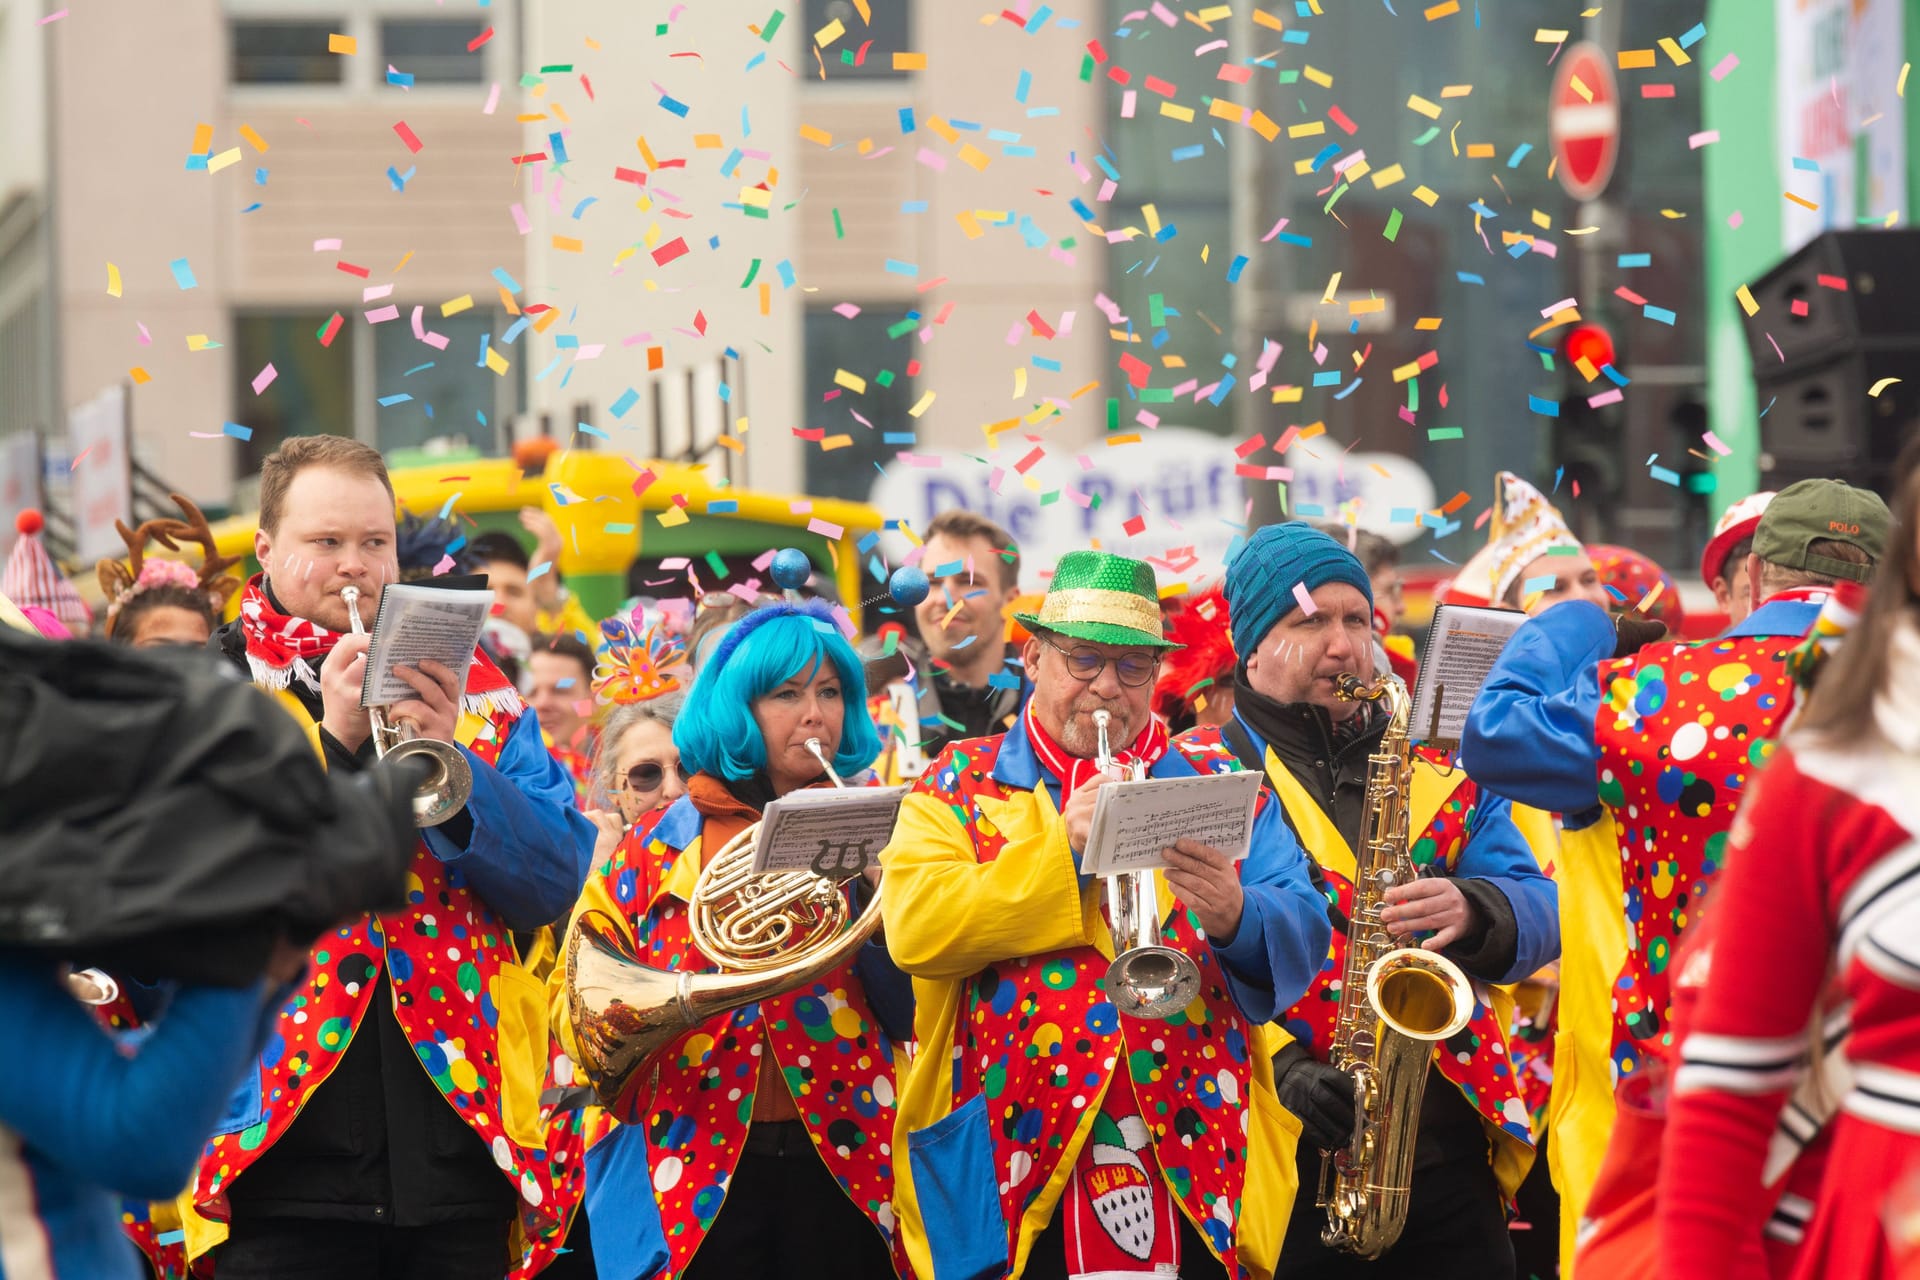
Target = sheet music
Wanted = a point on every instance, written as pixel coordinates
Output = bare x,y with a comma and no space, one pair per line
1134,821
833,832
416,624
1462,646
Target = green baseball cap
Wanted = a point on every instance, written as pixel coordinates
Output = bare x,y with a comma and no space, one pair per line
1813,511
1098,596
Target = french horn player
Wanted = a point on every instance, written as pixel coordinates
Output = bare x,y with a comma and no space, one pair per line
740,1029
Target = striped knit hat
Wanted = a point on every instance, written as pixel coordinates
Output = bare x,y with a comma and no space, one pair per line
33,581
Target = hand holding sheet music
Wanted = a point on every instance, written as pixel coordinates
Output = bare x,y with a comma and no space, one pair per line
1464,643
832,832
419,623
1134,821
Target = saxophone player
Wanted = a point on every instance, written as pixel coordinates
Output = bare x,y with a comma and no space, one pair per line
1301,613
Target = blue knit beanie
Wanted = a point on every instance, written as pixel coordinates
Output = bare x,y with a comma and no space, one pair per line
1261,579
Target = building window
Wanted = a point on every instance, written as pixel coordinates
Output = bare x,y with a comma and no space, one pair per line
890,32
286,51
313,392
862,348
434,50
454,394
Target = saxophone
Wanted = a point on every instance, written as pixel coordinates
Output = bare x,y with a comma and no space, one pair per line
1395,1002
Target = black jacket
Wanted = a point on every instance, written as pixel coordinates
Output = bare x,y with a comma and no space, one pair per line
375,1143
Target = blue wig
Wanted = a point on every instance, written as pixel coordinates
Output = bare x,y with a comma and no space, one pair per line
716,733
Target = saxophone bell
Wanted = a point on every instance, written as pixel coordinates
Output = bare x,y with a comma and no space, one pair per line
1148,979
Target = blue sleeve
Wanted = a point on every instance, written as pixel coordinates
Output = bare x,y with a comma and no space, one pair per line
1529,735
1498,854
1283,935
131,1125
528,848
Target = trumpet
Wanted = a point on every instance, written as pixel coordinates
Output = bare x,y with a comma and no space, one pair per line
446,781
768,934
1148,979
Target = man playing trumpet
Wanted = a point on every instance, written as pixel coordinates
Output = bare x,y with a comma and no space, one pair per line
1040,1133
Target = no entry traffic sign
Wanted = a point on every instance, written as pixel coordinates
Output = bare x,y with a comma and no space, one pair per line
1583,125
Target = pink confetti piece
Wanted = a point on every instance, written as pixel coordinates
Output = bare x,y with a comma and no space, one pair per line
437,341
1612,395
383,315
932,159
52,17
1776,349
375,292
1725,66
1107,188
1209,47
1305,601
146,339
520,218
1545,248
1278,227
1716,444
446,563
1695,141
1546,313
264,379
1127,102
847,310
493,99
1735,218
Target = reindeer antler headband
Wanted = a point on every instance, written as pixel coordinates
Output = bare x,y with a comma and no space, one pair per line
121,582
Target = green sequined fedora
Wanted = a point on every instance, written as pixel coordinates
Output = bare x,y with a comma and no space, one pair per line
1098,596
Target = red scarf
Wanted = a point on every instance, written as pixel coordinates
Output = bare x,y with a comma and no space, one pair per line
1074,770
282,649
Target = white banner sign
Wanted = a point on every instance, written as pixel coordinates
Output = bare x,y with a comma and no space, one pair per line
1180,483
19,482
1841,128
102,484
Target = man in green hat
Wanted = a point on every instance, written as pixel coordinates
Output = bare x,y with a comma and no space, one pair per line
1038,1123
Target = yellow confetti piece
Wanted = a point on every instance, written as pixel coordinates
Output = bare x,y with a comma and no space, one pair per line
946,131
1383,178
672,518
1317,76
113,280
1548,35
252,139
1880,386
1131,437
1173,362
1635,59
1479,151
1366,306
1747,304
1542,221
140,376
728,442
456,306
707,141
1356,171
1326,299
1579,86
1456,91
975,158
1312,129
921,405
1288,395
1585,366
829,33
337,43
497,362
1425,194
909,62
1431,110
1227,109
851,381
1446,10
1019,381
1261,18
1427,324
1802,201
1215,13
1900,89
1453,140
1672,213
199,342
836,442
1672,49
216,163
809,133
1174,111
1303,167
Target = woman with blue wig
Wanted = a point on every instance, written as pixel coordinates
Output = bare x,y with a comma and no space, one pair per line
761,1135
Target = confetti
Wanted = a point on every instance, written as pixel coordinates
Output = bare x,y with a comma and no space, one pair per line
1880,386
264,379
183,274
113,280
342,44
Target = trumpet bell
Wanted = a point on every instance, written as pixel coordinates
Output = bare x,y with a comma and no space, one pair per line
1152,982
448,780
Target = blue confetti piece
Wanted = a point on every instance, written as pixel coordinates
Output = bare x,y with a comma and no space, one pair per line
756,60
1695,34
1519,249
1763,412
237,431
1618,378
732,162
514,330
1193,152
1039,19
1805,165
170,1237
419,368
1233,272
1539,582
1627,260
592,431
1661,314
259,177
1519,154
1558,472
539,569
1327,378
913,206
393,176
1220,391
557,145
896,437
1349,389
582,206
1080,209
628,398
746,125
387,402
1003,680
1665,475
866,545
196,164
183,274
906,119
256,205
1024,87
1551,408
1288,237
899,268
1022,152
670,103
1468,277
1296,36
400,79
1324,154
1480,207
785,268
723,506
507,282
1042,362
1106,167
568,342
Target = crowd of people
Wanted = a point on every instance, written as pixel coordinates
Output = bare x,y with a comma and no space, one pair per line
1675,883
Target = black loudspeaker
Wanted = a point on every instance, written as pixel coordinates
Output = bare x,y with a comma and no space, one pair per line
1822,423
1874,309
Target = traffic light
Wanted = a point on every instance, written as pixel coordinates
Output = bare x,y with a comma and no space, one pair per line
1591,342
1589,439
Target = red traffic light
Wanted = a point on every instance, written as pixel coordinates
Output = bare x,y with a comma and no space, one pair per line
1589,341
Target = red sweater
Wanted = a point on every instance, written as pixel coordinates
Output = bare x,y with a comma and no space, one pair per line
1822,869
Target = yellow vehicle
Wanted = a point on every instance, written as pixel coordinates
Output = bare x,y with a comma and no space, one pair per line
609,515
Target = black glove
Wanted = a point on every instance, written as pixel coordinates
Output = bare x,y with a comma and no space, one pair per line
1322,1096
1632,634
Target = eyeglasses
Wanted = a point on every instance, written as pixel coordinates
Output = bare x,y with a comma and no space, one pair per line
1085,664
649,776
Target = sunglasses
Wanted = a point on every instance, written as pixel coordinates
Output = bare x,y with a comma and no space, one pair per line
649,776
1085,664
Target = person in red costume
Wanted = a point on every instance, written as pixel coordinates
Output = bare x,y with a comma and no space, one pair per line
1822,877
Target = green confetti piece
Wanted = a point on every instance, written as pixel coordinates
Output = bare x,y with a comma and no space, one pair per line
715,563
893,643
1393,226
901,327
1445,433
1427,137
773,25
1086,67
1289,77
1156,310
1113,414
839,232
1334,198
556,68
884,377
1413,395
753,270
1050,497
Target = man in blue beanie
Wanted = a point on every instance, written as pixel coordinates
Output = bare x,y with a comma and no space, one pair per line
1301,610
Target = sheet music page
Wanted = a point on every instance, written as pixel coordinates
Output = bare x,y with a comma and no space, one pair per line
1134,821
1462,646
421,624
834,832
